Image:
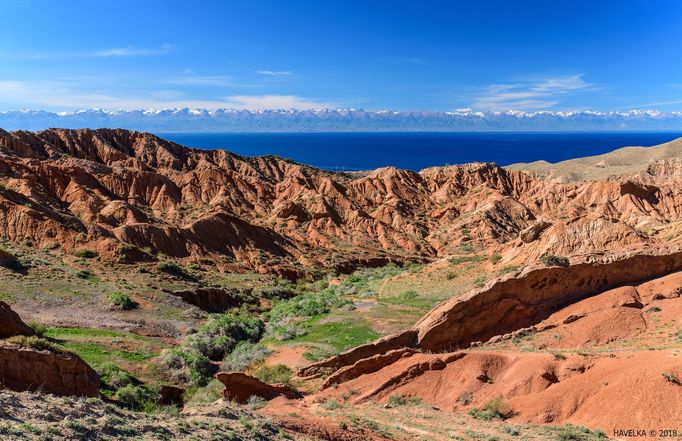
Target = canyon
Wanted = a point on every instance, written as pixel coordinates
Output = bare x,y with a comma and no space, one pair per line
557,285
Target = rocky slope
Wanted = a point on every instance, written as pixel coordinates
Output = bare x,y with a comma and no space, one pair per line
553,344
118,192
33,364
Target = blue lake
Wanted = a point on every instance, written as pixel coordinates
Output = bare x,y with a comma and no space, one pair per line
418,150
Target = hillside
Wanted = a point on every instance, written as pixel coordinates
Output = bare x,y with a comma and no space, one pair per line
130,196
654,161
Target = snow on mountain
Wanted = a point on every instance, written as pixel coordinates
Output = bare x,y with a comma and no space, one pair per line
290,120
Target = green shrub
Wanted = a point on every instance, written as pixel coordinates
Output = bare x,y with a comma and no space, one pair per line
285,329
278,373
121,300
282,290
511,430
508,269
495,258
38,329
330,405
171,268
457,260
37,343
552,260
315,353
467,248
114,378
570,432
136,397
496,408
85,274
255,402
244,355
402,400
479,282
85,253
308,304
187,366
224,331
191,362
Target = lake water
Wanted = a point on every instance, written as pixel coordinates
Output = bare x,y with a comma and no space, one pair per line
418,150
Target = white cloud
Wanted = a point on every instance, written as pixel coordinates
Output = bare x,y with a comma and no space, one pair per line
257,102
530,94
132,51
64,96
275,73
115,52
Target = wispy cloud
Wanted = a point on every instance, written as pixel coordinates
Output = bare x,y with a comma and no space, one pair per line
275,73
531,94
115,52
132,51
258,102
190,79
64,95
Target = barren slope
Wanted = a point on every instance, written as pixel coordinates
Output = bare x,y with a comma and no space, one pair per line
125,194
621,162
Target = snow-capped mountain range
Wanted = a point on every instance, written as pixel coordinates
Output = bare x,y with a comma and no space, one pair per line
343,120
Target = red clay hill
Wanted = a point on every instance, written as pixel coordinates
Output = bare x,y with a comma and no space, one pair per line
121,192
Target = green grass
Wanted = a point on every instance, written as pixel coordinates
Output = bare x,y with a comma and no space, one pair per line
85,253
97,354
99,346
508,269
274,374
409,298
457,260
339,335
66,333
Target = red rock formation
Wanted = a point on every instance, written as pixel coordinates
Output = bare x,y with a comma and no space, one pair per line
23,368
214,299
11,324
240,387
115,189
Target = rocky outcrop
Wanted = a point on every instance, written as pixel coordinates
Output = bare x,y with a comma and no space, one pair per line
240,387
515,302
522,300
122,192
170,396
24,368
351,356
214,299
533,232
11,324
366,366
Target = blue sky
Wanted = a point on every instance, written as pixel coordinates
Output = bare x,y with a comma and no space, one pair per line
400,55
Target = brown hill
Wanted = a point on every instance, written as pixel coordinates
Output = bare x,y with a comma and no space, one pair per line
657,160
118,191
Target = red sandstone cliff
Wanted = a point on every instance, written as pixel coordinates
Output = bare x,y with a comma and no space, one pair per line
106,189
